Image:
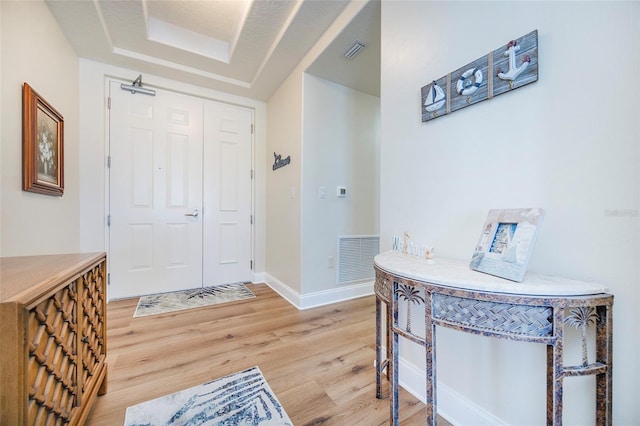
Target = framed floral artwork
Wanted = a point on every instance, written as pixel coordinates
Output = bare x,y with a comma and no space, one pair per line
42,145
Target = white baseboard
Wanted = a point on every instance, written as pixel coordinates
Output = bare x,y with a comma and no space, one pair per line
283,290
319,298
452,406
327,297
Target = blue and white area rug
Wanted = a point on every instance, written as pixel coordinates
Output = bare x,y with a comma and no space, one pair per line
196,298
243,398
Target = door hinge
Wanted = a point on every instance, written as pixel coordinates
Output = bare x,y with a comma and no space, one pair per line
251,264
108,162
251,219
109,278
252,129
109,102
251,173
108,220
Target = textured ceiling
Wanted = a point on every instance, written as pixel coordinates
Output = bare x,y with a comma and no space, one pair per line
245,47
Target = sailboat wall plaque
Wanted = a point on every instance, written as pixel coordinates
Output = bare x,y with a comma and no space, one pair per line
507,68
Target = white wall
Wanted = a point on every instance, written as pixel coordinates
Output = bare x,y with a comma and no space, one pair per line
284,137
1,134
568,143
341,146
34,50
93,133
285,192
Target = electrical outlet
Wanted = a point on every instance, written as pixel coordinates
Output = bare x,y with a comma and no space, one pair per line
330,262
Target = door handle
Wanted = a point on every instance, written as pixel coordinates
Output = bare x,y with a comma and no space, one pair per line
195,213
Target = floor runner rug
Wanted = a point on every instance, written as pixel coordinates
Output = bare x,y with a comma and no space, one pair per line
242,398
195,298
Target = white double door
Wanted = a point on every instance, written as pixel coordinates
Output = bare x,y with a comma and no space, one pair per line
179,193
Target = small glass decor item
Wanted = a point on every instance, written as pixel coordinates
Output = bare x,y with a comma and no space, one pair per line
506,242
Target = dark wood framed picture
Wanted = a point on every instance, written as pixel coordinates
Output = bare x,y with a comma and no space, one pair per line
42,145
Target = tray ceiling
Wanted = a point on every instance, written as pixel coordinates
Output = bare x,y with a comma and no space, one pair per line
245,47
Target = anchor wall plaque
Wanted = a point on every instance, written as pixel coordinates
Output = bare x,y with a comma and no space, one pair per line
507,68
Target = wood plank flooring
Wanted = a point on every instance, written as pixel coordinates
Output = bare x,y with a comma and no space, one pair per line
319,362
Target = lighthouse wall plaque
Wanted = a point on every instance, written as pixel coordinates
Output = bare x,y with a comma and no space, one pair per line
507,68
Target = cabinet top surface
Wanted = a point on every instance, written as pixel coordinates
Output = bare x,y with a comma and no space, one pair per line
457,274
20,275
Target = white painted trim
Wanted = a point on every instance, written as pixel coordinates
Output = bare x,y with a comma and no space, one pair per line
327,297
258,278
320,298
452,406
283,290
179,67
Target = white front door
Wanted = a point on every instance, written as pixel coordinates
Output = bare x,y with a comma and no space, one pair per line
227,194
155,192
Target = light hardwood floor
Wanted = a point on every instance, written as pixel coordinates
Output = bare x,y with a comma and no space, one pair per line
319,362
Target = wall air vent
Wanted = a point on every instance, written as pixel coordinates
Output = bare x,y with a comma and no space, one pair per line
356,48
355,257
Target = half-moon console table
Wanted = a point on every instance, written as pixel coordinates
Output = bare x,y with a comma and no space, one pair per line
454,296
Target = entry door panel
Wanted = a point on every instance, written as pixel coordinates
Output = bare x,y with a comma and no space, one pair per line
155,192
227,182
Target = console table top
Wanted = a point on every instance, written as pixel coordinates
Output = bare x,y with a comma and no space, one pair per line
457,274
23,276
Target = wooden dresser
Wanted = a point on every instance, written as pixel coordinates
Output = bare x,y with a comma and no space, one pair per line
52,338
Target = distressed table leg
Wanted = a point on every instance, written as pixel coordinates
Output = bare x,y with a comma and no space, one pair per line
382,362
394,381
604,355
393,368
379,361
557,364
550,388
388,336
430,350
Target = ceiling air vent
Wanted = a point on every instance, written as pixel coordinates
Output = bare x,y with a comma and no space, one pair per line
357,46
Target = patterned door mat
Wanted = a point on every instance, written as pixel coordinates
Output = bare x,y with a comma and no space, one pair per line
187,299
242,398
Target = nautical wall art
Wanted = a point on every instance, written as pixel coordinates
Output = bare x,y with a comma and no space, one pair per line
279,162
511,66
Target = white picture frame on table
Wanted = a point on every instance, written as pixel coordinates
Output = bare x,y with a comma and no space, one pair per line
506,242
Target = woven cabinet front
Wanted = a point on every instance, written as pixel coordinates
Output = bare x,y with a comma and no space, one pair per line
51,367
92,341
